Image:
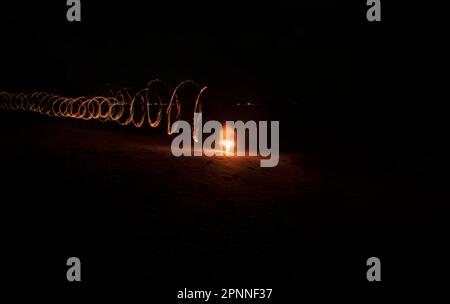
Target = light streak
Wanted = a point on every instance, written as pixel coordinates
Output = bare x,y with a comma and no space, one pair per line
123,107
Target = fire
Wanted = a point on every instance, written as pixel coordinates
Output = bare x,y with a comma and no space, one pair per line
227,141
228,145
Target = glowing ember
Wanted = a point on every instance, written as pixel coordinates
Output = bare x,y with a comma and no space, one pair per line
228,145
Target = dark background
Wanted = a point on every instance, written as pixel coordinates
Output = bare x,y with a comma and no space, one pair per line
360,98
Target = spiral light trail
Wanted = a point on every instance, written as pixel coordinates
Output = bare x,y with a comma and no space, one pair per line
123,107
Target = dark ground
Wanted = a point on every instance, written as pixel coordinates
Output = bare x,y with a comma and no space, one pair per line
137,216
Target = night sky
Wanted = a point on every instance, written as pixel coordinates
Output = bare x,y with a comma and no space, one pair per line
273,52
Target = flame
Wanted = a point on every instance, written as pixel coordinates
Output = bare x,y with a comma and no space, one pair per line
227,142
228,146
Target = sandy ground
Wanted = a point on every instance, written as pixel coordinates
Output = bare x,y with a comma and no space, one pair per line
134,213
